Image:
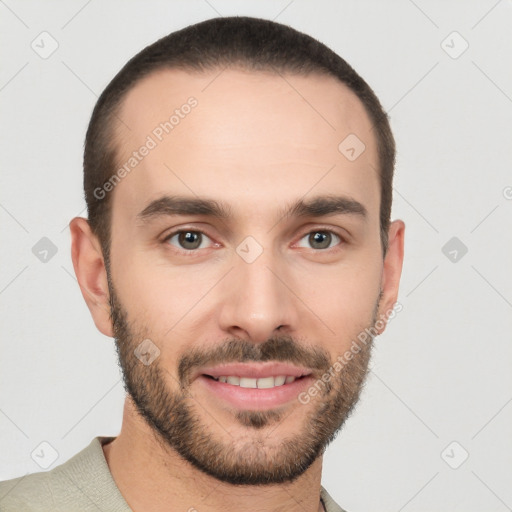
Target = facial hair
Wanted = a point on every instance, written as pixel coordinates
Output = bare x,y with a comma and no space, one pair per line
260,458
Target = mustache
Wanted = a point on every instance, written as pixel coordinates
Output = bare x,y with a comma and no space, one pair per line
279,348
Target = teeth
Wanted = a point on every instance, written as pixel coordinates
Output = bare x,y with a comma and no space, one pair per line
262,383
245,382
266,383
279,381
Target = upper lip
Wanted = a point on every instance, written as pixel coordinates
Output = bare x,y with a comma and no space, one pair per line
253,370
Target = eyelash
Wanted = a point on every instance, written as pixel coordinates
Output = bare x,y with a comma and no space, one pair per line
194,252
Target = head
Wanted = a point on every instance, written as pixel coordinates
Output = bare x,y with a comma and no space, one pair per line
238,178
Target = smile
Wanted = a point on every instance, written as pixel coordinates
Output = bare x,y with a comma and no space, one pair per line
261,383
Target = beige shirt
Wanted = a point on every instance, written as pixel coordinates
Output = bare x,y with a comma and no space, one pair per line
82,484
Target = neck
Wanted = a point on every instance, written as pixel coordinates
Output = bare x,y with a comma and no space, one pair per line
151,477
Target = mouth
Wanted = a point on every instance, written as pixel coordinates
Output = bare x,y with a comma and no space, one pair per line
255,386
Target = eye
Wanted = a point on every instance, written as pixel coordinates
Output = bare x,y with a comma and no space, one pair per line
321,239
188,239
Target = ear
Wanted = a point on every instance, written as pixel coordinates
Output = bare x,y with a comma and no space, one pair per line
391,272
91,273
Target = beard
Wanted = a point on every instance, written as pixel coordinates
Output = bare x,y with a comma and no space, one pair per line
260,456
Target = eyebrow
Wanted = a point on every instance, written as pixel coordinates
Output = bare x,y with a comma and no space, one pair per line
319,206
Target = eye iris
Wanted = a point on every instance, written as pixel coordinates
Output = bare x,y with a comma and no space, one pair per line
320,237
189,239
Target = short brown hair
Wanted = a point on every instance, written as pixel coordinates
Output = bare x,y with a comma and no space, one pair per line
250,43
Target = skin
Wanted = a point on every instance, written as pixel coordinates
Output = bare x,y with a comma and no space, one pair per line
256,144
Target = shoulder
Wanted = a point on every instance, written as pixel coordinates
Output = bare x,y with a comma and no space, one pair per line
80,484
32,492
19,494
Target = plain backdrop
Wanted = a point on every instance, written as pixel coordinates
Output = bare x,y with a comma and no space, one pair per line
433,428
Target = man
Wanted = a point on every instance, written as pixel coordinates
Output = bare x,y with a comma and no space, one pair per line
238,178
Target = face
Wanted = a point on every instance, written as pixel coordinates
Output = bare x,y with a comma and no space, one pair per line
246,249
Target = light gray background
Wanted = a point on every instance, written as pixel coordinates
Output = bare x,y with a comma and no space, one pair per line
442,370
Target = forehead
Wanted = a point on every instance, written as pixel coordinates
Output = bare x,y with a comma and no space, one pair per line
245,136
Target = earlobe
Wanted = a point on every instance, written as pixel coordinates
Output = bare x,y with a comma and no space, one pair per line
392,271
90,272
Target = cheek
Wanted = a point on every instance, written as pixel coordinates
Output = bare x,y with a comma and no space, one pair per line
178,302
162,298
344,297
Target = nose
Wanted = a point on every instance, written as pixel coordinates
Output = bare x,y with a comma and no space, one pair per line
258,299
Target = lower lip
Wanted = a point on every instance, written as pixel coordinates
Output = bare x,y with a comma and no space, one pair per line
254,398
